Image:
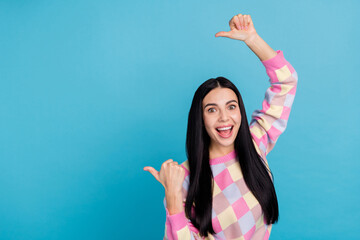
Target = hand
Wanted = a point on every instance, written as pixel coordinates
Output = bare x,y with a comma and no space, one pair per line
242,28
171,175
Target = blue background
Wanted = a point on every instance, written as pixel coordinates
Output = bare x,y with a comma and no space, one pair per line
93,91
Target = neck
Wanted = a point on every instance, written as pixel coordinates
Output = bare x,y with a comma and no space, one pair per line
219,151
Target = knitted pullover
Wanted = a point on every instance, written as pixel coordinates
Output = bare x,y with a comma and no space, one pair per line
236,213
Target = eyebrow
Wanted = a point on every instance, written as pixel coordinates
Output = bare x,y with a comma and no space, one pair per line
214,104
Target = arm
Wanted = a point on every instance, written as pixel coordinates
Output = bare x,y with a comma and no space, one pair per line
175,179
270,122
177,225
260,47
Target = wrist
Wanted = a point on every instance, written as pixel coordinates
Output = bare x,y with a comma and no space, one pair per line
251,39
260,47
174,202
173,194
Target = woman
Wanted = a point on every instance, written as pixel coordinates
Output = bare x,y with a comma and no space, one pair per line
227,174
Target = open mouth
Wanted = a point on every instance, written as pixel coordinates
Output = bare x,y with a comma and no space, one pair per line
225,132
224,129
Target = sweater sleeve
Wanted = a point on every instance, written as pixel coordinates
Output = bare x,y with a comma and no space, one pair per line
178,227
268,123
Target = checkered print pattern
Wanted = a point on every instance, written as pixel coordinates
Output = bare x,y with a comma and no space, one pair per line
236,213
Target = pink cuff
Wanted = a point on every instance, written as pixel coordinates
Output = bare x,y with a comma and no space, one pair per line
275,62
177,221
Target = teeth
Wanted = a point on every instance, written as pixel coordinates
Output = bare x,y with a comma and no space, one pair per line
225,128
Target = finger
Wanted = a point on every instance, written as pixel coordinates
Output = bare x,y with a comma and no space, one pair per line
153,172
242,22
232,24
222,34
237,22
174,163
250,20
245,21
166,162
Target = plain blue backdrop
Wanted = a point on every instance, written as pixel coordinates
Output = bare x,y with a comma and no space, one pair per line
93,91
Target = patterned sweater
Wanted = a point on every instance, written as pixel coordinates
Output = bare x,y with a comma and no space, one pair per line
236,213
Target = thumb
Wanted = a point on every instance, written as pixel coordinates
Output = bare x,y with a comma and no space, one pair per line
153,172
222,34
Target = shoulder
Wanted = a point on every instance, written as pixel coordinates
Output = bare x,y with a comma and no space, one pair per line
186,182
185,165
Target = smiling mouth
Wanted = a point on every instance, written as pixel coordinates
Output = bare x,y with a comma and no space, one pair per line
225,132
225,129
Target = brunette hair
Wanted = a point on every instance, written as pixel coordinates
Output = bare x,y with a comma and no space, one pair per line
253,167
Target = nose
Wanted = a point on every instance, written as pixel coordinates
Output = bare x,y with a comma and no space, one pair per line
223,116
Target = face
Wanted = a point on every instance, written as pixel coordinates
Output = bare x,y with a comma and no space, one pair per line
222,118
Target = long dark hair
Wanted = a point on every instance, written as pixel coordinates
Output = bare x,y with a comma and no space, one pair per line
253,167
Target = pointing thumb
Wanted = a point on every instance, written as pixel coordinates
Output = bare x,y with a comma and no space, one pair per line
153,172
222,34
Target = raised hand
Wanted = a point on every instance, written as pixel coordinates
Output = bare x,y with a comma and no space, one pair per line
171,176
242,28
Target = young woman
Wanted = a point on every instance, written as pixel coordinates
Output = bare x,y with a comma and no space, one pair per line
225,189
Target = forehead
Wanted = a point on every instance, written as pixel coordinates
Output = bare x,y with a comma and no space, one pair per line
219,96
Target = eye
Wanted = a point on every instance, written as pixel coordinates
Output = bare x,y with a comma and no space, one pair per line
232,107
211,110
